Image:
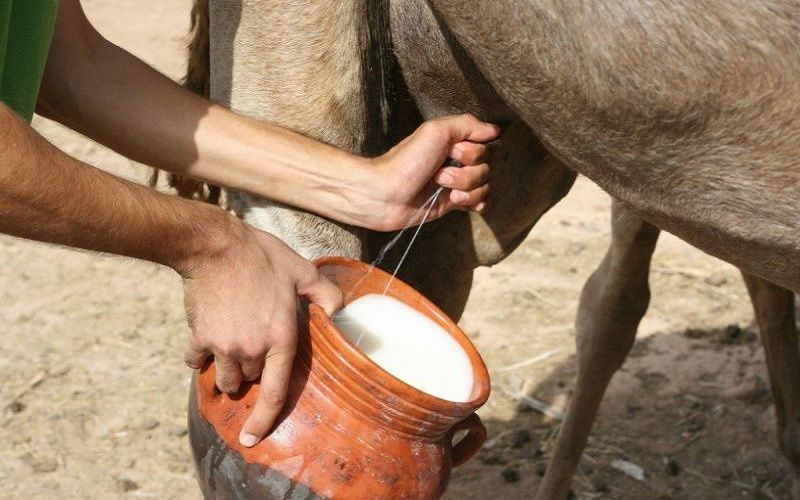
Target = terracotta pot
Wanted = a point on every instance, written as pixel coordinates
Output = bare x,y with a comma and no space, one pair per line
349,430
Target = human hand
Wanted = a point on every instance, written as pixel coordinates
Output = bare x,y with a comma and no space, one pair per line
407,175
241,305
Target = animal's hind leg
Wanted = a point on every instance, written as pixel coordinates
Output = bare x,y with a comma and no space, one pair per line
774,309
614,300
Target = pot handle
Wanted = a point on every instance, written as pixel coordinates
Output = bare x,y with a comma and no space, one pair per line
471,443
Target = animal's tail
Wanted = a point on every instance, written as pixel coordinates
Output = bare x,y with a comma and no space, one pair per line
197,80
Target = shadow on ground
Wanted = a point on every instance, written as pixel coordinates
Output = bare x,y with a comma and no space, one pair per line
692,408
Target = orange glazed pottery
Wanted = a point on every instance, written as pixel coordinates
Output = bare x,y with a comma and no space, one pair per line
349,430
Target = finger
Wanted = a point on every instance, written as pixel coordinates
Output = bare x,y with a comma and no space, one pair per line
469,198
320,290
467,128
252,368
229,374
465,178
272,394
195,356
480,207
468,153
443,206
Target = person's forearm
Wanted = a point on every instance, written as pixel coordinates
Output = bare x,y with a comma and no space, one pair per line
107,94
48,196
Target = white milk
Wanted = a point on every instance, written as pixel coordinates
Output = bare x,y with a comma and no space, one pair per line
409,345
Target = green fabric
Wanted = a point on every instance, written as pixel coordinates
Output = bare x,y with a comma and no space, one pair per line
26,29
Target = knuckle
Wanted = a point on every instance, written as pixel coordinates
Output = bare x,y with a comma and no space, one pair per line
483,173
308,275
273,398
434,127
226,349
463,183
253,352
479,153
284,345
312,273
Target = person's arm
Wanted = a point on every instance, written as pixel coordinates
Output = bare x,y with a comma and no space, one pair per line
97,88
240,284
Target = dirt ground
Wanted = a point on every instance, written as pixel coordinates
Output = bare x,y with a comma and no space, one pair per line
91,355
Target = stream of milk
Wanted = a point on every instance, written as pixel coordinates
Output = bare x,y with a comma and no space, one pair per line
424,211
403,341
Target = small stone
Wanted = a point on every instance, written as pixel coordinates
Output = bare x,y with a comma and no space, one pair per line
17,407
148,424
178,431
731,334
540,469
693,333
131,334
492,457
60,371
716,279
510,475
672,466
735,335
586,469
576,247
127,484
632,408
117,424
519,438
629,469
44,465
39,463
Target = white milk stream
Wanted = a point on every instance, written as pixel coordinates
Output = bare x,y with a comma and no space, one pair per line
409,345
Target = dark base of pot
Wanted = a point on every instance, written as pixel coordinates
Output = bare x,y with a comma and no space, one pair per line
223,474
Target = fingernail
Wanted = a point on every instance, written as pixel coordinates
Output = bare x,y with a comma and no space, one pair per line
247,440
457,154
480,207
445,179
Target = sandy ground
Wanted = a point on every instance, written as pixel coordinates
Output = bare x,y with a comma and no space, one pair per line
91,355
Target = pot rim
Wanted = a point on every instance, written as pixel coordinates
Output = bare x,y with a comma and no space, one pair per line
481,387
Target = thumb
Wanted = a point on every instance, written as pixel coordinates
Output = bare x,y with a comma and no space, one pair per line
466,127
323,292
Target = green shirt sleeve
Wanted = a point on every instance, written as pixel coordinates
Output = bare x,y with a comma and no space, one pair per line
26,30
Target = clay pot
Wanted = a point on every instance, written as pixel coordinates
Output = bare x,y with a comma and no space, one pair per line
349,430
